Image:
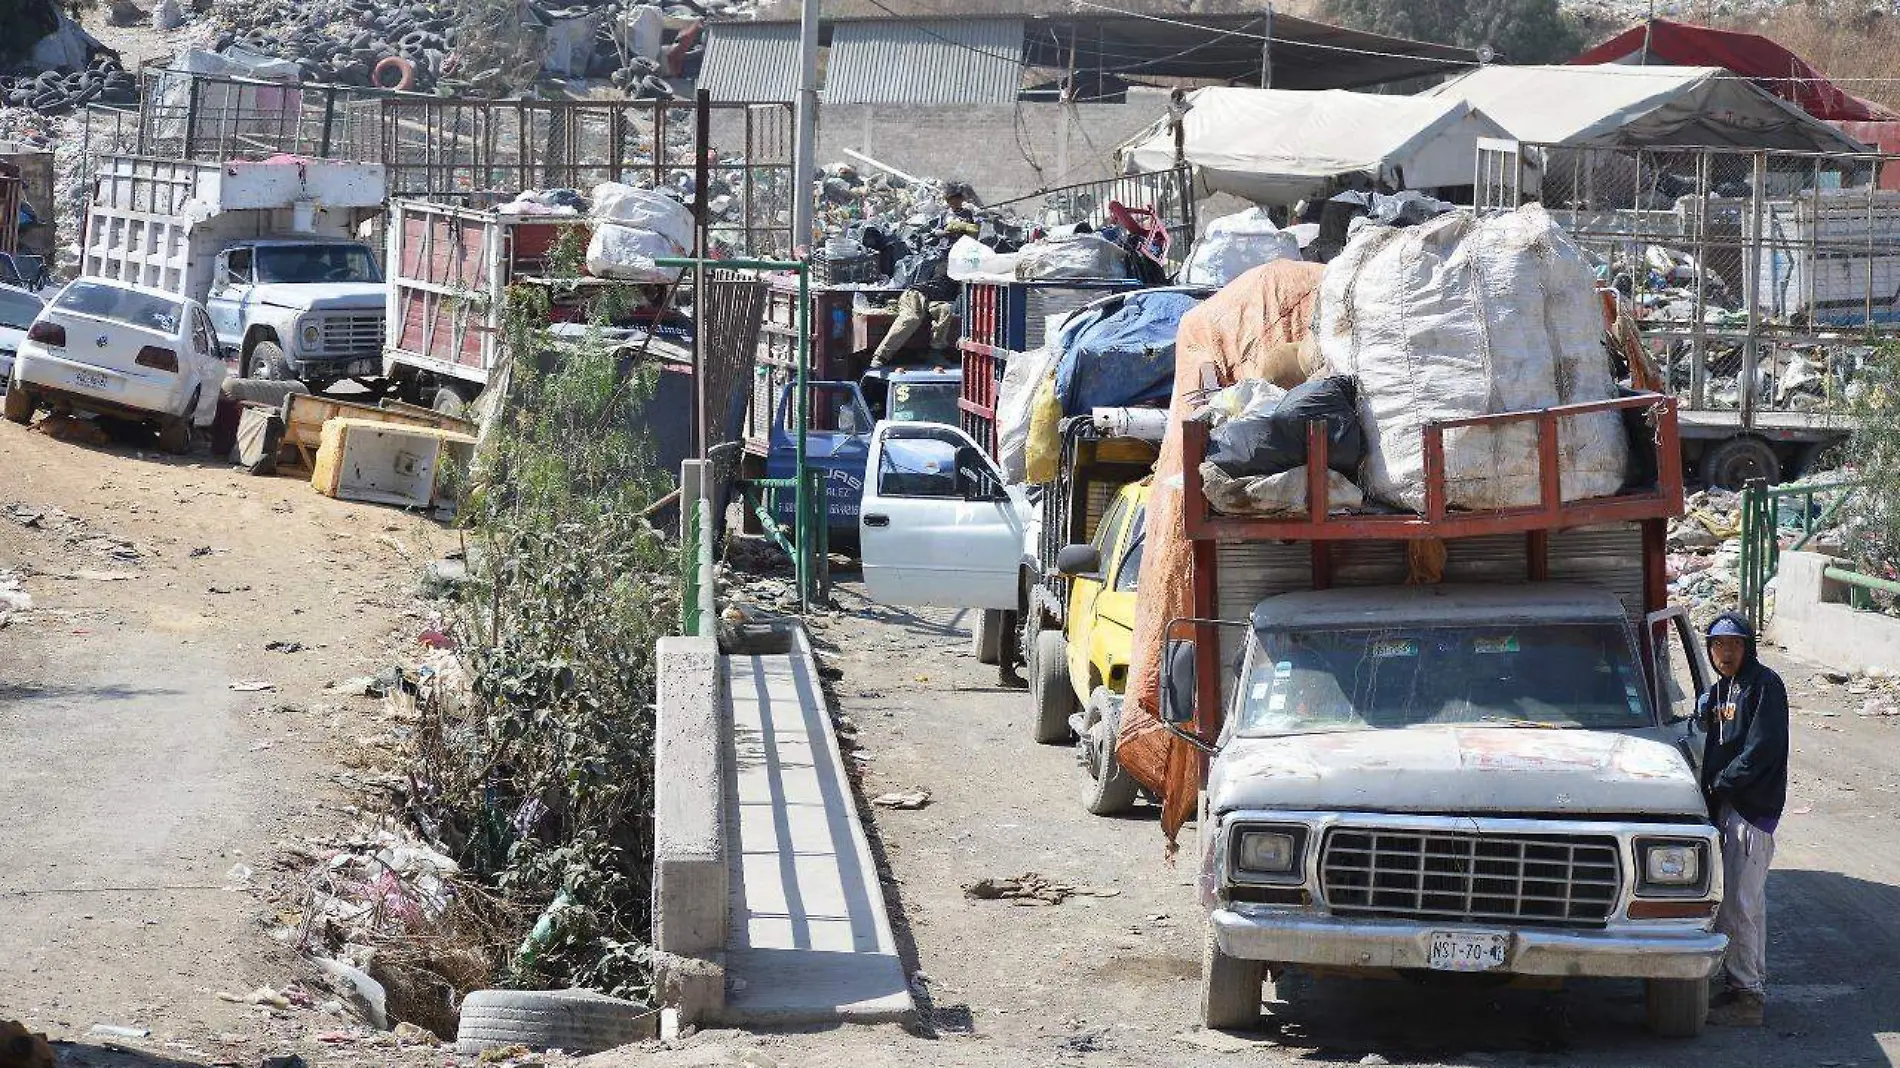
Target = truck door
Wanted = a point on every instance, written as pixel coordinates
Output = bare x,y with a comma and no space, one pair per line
836,442
1679,672
231,282
938,526
1086,590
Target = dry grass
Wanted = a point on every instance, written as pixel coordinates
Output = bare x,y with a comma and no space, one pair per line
1854,44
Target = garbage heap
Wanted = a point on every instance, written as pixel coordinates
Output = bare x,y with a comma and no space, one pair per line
58,66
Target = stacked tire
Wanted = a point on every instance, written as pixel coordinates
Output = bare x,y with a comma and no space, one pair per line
52,92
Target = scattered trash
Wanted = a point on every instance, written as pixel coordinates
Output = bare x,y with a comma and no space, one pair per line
239,873
284,647
253,686
13,596
903,801
498,1054
1031,889
1222,1042
410,1034
263,995
119,1031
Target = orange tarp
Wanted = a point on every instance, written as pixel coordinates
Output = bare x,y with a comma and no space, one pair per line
1233,334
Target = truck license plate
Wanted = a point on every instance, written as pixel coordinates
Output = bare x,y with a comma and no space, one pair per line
91,380
1464,951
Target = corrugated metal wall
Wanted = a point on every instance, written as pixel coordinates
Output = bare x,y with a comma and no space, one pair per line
969,61
751,61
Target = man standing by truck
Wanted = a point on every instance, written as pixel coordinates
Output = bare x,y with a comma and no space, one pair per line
932,293
1745,777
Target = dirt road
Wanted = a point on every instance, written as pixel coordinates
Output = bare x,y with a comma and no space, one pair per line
168,723
1113,980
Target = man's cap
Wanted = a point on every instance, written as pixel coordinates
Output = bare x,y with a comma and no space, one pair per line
1728,628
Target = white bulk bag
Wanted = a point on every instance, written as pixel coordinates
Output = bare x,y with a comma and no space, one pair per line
1071,256
1461,316
627,254
1235,244
644,209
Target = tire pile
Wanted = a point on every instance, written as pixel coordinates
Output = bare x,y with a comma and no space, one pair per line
104,81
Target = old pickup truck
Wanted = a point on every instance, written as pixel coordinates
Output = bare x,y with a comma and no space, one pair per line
1487,774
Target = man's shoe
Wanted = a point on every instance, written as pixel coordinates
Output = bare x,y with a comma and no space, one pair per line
1741,1008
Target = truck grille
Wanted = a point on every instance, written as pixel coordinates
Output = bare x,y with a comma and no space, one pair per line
1568,880
353,333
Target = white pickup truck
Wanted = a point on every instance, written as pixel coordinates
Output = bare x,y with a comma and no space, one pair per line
271,249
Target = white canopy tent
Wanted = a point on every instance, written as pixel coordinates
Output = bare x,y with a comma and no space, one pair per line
1616,105
1279,146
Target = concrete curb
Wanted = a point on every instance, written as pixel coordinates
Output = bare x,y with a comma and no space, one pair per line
691,869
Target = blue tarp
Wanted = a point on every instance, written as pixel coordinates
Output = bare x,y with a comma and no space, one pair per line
1120,352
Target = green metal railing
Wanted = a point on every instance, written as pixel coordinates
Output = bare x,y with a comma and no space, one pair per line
807,546
1762,512
696,572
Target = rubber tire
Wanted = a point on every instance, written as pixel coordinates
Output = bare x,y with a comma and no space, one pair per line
986,637
19,406
1230,988
1676,1008
1731,464
174,435
1050,696
1107,790
267,362
578,1021
449,400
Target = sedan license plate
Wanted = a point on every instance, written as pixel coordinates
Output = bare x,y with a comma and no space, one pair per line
92,380
1465,951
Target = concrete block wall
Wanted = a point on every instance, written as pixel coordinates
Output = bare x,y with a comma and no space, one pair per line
1813,620
690,869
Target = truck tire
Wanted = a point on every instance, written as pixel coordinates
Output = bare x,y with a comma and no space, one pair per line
1676,1008
1107,789
578,1021
1738,461
1050,696
19,404
986,637
450,400
267,361
1230,987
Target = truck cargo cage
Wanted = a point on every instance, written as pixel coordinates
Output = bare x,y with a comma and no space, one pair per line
1658,451
1168,195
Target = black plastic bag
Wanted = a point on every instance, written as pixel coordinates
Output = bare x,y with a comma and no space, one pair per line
1275,442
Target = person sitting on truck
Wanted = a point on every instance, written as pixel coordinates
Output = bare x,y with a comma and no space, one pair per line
932,295
1745,778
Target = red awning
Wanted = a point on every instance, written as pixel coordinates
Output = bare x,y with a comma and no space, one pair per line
1750,55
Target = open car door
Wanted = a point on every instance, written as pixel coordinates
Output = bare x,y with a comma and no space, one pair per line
938,527
1681,673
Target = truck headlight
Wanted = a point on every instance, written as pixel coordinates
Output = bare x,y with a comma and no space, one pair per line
1671,867
1273,854
312,335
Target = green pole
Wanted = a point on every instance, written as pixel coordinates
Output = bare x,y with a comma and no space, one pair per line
803,505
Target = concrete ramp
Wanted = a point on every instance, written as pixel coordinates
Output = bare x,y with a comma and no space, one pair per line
809,940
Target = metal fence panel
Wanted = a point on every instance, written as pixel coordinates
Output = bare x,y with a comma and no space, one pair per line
1170,194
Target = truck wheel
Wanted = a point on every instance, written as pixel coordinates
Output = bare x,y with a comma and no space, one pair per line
267,361
1230,988
449,400
1676,1008
986,637
1108,790
19,404
1738,461
1049,692
174,435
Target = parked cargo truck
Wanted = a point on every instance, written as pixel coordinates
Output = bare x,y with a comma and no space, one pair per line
272,249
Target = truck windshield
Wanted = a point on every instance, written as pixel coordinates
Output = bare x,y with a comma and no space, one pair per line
925,402
315,263
1531,675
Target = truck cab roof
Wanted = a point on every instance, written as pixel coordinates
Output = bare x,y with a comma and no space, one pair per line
293,242
1450,604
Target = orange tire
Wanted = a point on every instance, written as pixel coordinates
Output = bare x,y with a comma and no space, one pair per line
405,73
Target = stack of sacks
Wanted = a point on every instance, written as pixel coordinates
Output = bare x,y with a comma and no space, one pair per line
1234,244
633,228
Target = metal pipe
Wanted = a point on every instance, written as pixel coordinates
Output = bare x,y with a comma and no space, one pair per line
702,115
1865,582
805,158
1751,348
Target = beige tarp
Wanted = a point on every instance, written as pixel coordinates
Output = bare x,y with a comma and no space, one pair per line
1234,334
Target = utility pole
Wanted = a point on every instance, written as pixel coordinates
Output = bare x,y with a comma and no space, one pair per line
1266,53
1649,27
805,158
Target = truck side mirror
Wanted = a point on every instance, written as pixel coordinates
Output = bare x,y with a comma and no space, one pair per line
1178,683
974,480
1079,561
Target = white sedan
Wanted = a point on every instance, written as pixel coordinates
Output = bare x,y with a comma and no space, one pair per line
18,309
123,351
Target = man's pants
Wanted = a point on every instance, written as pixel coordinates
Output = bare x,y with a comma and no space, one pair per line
1746,852
912,310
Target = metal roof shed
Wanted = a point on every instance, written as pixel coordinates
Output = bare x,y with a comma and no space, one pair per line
904,61
750,61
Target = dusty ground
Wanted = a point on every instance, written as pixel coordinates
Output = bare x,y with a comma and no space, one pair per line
1113,981
146,768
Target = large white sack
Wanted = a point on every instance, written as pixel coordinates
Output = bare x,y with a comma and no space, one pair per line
1071,256
1459,317
627,254
973,261
644,209
1021,375
1235,244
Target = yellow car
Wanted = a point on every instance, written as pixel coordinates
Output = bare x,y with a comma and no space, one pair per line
1093,648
